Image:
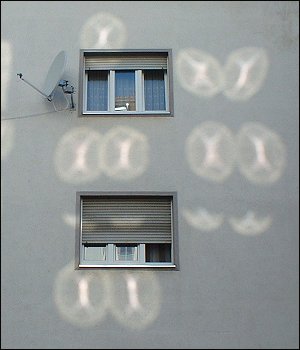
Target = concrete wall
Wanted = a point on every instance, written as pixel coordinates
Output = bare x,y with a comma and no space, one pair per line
238,283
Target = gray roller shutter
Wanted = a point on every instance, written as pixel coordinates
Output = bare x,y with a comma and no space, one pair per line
133,62
136,219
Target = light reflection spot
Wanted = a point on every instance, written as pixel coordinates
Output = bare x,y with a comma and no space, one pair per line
261,153
210,150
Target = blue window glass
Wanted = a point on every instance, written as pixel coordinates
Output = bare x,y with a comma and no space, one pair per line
97,90
154,90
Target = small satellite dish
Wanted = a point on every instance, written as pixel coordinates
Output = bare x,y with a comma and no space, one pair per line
55,73
53,79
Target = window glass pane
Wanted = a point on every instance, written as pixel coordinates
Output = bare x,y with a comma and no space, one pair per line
97,90
125,90
126,252
95,253
158,252
154,90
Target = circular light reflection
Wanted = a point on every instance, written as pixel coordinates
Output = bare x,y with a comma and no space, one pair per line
7,138
199,73
103,31
82,297
250,224
124,153
203,220
77,155
210,150
245,72
261,154
136,298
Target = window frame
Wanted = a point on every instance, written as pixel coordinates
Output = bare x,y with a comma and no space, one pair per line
111,262
139,85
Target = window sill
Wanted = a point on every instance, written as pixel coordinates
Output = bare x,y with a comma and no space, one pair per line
147,265
126,114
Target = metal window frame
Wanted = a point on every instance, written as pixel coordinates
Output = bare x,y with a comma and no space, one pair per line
168,81
174,265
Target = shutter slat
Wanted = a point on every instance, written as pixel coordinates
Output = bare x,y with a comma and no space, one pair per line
126,220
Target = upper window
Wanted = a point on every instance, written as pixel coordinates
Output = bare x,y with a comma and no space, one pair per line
121,82
121,230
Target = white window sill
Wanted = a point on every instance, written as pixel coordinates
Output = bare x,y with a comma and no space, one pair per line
129,114
146,265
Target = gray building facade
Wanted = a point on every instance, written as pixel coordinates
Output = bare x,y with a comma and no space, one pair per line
229,151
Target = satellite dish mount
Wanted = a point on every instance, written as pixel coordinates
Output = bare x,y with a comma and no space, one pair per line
53,79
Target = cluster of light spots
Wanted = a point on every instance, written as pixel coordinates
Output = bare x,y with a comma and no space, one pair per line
210,150
248,225
239,79
84,297
261,153
103,31
83,154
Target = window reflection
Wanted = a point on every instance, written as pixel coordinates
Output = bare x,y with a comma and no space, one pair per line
125,91
126,252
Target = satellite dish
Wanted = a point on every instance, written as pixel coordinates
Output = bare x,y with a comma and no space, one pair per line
53,79
55,73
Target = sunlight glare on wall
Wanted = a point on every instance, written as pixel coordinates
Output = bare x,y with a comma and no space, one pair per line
103,31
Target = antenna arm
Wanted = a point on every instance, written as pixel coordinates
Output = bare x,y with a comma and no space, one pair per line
49,98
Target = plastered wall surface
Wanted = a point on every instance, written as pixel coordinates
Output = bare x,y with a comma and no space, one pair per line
231,152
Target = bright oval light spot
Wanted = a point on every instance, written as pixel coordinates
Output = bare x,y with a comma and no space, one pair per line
77,155
7,138
135,298
199,73
202,220
6,60
103,31
261,154
245,72
69,219
81,297
210,150
125,153
250,224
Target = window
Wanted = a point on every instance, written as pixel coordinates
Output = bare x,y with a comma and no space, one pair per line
126,83
122,230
